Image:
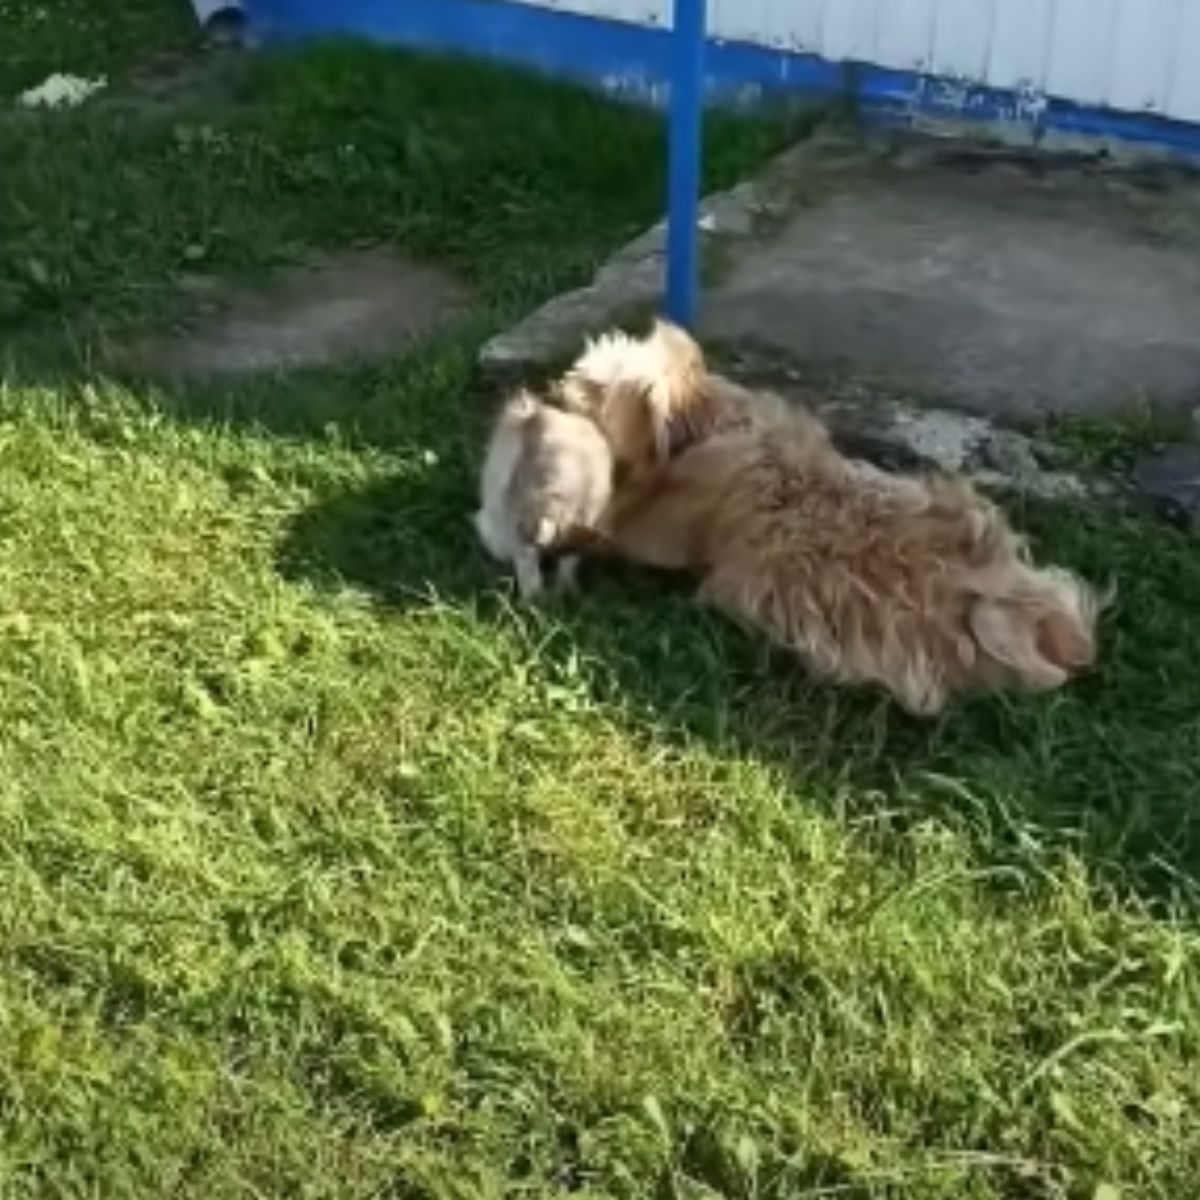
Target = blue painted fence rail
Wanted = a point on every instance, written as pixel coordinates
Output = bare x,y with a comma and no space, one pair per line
637,61
687,130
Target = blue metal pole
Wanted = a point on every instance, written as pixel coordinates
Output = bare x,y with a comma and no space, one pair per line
687,128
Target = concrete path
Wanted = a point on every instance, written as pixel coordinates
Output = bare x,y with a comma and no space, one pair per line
993,282
354,306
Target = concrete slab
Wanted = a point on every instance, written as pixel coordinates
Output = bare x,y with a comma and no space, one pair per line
1002,294
356,306
996,282
1170,479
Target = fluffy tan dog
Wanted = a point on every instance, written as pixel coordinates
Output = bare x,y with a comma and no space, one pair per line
915,584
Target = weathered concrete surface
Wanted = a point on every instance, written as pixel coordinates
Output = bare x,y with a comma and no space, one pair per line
1170,479
902,435
988,295
357,306
630,286
1003,285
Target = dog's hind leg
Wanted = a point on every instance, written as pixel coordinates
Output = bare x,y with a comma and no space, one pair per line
566,576
528,565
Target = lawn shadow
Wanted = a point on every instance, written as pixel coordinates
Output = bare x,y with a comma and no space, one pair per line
1105,769
1023,778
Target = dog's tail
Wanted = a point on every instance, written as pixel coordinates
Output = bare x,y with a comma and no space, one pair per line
1040,626
662,374
679,398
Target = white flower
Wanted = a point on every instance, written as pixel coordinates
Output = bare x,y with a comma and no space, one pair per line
61,91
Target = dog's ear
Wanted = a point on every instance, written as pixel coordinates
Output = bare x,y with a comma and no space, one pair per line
631,423
661,422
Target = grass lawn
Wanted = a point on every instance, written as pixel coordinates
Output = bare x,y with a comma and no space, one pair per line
327,871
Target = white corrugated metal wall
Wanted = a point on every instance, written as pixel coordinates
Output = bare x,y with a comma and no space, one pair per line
1133,55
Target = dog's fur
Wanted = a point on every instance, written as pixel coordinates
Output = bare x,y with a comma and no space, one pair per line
654,396
547,480
917,584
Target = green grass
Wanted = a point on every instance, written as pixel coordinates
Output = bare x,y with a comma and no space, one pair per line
519,187
42,37
327,871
